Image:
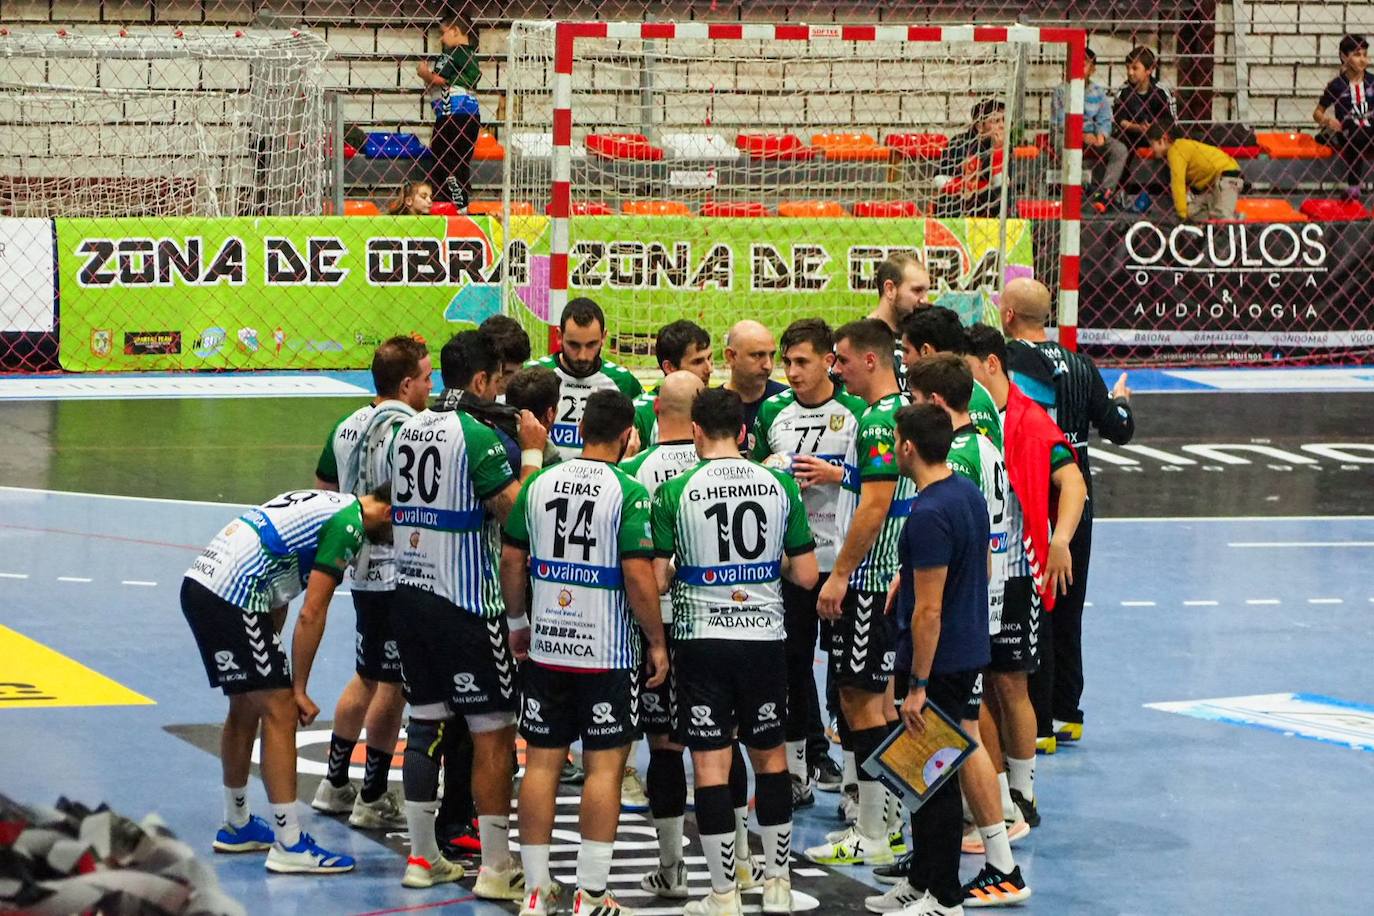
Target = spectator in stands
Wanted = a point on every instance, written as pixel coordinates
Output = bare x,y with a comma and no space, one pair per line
457,119
972,159
1098,141
1212,176
1142,102
1344,112
414,199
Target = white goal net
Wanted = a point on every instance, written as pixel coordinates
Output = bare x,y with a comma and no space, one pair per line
161,123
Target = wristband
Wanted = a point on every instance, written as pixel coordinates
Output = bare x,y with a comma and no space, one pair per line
532,458
518,623
920,683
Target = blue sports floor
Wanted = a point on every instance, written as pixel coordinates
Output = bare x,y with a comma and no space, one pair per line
1155,812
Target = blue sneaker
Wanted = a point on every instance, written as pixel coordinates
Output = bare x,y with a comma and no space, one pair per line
306,858
254,836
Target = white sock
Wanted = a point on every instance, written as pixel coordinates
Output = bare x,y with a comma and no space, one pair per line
1021,776
997,848
593,866
236,812
535,860
1009,810
777,849
420,817
796,761
893,811
742,834
720,860
285,824
669,831
634,750
494,833
872,821
851,769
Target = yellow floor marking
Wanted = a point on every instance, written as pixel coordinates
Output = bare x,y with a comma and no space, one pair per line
32,675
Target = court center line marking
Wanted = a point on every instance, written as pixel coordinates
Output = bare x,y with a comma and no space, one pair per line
1199,603
142,583
1326,601
1300,544
73,579
1261,601
26,575
1138,604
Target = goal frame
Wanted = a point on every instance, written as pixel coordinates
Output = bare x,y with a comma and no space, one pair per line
568,33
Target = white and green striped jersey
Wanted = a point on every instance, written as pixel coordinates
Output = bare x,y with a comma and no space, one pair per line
983,411
973,455
343,438
873,454
578,520
573,394
655,466
646,418
370,430
727,523
786,426
262,559
447,465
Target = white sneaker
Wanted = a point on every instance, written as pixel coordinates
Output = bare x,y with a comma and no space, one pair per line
929,906
714,904
632,794
421,872
331,800
385,813
777,895
543,901
902,894
748,874
667,881
306,858
500,883
584,904
849,807
852,848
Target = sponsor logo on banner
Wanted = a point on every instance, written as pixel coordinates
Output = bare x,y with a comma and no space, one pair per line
102,340
152,343
209,342
248,340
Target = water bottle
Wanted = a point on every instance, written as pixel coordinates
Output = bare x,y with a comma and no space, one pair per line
1142,202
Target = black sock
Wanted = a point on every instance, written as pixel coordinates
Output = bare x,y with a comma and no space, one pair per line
340,754
866,741
739,779
774,798
666,784
376,772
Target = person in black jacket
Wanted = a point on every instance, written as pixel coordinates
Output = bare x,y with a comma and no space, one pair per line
1143,101
1070,388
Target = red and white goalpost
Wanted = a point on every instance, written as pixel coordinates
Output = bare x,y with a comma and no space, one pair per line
626,119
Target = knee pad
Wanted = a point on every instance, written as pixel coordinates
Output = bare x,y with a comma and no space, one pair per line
420,768
774,794
425,737
666,782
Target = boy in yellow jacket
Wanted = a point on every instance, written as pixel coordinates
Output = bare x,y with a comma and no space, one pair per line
1212,177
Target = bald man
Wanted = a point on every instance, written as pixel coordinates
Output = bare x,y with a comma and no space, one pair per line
1069,387
749,355
666,780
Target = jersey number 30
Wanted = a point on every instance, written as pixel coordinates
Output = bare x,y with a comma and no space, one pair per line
426,467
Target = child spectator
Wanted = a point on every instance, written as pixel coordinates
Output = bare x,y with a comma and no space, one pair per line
457,119
1142,101
1098,141
966,171
414,199
1212,176
1344,111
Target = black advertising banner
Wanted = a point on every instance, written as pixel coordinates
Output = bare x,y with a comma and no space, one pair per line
1254,292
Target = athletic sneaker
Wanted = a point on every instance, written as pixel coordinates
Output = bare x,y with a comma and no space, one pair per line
385,813
464,844
306,858
667,881
832,731
584,904
852,848
543,901
894,873
1027,806
848,808
1070,732
331,799
802,796
896,841
901,895
500,883
777,895
748,874
254,836
421,872
829,776
994,888
714,904
929,906
632,794
1017,831
1046,745
573,774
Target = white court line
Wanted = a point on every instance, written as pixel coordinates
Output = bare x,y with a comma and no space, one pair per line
135,499
1137,604
26,575
1201,603
1326,601
142,583
1300,544
1261,601
72,579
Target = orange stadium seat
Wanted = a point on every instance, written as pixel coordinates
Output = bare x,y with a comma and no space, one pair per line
917,146
775,146
655,208
623,146
488,147
1029,151
1331,211
811,209
360,208
887,209
443,208
735,209
1039,209
851,147
1268,210
1293,146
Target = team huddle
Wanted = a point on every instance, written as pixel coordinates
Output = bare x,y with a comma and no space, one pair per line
546,549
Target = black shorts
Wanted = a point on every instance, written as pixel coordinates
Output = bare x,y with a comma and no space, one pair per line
1016,647
449,655
863,642
557,707
658,705
241,649
974,707
376,656
730,687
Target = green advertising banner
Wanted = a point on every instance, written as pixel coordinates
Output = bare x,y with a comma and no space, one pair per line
322,292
